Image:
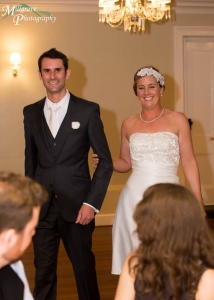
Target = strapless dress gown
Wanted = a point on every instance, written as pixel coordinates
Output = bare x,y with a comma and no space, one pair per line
155,159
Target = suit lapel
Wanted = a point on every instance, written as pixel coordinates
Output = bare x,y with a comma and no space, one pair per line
40,124
67,123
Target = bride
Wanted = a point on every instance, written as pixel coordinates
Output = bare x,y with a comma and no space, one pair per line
152,143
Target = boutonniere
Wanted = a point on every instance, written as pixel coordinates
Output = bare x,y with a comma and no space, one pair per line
75,125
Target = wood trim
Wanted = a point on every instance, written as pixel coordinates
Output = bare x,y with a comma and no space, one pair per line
104,219
115,187
108,219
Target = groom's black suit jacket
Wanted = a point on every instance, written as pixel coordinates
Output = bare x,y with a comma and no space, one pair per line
64,170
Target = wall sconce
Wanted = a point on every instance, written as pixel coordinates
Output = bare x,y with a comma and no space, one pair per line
15,60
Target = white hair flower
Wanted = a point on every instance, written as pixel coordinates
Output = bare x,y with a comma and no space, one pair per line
151,72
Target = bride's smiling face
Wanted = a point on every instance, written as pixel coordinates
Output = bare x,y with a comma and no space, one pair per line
149,91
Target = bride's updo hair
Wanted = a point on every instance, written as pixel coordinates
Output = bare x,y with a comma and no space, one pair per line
152,71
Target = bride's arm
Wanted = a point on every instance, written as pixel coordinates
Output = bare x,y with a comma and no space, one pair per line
123,163
188,160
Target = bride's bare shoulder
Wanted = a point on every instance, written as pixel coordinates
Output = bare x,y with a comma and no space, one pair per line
130,120
174,114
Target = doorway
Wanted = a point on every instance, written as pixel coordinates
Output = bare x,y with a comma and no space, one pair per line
194,94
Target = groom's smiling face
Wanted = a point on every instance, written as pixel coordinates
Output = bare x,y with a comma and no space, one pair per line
53,75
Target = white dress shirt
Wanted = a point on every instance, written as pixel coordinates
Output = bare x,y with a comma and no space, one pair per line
60,115
19,269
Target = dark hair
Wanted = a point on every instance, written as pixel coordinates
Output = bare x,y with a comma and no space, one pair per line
18,196
136,77
176,245
54,54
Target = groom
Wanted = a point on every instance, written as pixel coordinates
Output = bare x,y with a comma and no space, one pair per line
59,131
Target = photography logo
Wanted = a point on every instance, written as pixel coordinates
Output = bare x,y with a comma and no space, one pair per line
24,12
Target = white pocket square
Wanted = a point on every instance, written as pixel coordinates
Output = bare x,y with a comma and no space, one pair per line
75,125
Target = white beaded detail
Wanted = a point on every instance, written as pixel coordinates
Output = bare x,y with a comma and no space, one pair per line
158,148
151,72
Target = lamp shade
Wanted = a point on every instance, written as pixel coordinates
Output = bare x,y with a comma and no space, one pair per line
15,58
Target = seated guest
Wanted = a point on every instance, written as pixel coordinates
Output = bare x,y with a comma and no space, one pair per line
175,258
20,202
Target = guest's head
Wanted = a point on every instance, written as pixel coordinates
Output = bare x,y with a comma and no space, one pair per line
20,201
148,72
175,241
173,210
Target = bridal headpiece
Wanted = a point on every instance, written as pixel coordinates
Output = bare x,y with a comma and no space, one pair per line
151,72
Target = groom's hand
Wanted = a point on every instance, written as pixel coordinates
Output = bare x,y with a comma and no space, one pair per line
85,215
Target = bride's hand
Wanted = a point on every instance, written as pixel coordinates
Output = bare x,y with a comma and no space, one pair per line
95,160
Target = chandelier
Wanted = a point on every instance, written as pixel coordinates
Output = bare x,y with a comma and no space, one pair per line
133,13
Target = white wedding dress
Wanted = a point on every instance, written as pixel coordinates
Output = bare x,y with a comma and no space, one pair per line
155,158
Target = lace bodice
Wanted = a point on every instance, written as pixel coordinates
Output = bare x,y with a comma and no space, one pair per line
159,147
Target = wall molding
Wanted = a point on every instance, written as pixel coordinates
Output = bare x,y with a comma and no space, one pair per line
91,6
193,7
107,219
58,6
104,219
115,187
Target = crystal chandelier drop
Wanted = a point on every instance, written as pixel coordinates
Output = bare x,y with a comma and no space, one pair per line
132,12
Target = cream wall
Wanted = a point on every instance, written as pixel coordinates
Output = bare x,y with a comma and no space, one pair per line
103,61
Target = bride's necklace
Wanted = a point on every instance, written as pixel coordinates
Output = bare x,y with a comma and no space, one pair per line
148,122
